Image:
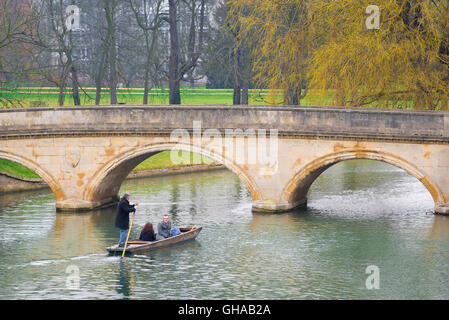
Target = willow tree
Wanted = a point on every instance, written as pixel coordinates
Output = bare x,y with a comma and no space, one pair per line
402,63
280,43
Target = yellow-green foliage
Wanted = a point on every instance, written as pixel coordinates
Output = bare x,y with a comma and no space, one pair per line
399,64
404,63
278,32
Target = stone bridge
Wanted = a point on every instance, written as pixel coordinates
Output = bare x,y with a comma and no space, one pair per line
85,153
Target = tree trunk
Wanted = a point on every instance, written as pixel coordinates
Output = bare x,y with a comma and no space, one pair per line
237,87
175,93
245,89
99,79
61,95
445,105
75,87
129,80
146,85
246,74
237,94
340,98
147,68
97,94
101,71
291,96
112,53
113,75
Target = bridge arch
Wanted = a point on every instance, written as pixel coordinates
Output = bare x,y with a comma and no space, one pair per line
32,165
104,186
295,192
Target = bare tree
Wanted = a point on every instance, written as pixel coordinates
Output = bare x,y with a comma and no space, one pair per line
148,14
179,66
15,20
110,7
52,35
230,50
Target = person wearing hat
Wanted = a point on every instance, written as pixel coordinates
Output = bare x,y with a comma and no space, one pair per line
122,217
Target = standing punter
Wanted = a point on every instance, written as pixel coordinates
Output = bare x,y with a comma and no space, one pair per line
122,217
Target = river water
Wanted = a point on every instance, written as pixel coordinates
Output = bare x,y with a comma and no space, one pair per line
360,214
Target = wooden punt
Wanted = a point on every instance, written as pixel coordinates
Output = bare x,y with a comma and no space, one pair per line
137,246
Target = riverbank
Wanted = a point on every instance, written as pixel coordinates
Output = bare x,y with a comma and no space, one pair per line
175,170
10,183
13,183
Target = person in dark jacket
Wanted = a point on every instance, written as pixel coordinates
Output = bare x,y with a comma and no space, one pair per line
164,228
122,217
147,233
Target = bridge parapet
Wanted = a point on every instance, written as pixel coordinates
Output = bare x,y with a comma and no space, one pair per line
352,123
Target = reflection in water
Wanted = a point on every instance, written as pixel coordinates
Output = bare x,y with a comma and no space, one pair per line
359,213
9,200
75,233
440,228
125,279
174,200
261,222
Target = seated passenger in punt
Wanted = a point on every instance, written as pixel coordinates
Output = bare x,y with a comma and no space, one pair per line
147,233
164,229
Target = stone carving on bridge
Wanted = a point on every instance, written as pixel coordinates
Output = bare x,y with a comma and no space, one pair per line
73,157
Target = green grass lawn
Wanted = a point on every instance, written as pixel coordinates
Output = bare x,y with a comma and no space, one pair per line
158,161
162,161
31,97
17,169
51,100
46,96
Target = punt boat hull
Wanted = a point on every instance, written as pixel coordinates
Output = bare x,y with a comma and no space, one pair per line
137,246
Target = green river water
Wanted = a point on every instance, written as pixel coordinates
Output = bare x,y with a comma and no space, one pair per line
360,214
